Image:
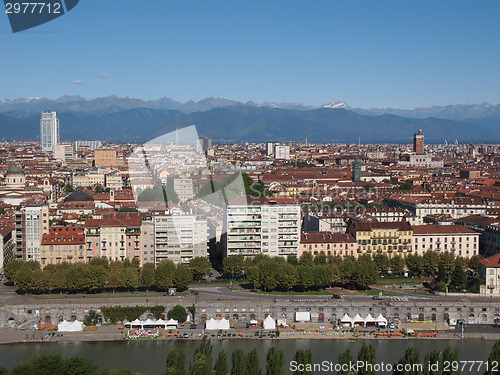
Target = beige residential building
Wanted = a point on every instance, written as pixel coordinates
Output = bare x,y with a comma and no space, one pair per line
389,238
457,239
490,271
106,157
63,244
328,243
184,188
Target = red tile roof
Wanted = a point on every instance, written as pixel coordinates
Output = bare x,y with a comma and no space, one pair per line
491,262
442,229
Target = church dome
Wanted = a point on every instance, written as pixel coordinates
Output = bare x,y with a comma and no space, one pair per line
78,196
15,170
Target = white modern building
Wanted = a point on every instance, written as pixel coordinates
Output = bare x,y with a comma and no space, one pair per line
31,223
179,238
49,131
258,226
63,152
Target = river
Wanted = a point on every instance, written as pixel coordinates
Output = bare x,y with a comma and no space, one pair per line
149,356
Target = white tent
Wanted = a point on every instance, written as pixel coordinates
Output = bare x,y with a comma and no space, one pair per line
213,324
65,326
370,319
269,323
135,323
161,323
223,324
282,323
358,319
302,316
381,321
149,323
172,324
346,319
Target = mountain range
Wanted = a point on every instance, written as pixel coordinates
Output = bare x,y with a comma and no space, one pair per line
134,120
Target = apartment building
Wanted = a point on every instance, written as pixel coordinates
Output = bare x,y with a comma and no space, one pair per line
329,244
184,188
7,245
116,236
457,239
389,238
31,223
106,157
258,225
179,238
63,244
456,207
489,270
488,229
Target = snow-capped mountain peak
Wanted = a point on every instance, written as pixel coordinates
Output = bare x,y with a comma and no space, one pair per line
336,104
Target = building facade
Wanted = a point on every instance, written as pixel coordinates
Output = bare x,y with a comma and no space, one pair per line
329,244
271,229
31,223
457,239
106,157
63,244
390,238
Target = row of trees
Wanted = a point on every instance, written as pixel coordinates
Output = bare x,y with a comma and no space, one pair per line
115,314
309,273
249,363
100,274
241,363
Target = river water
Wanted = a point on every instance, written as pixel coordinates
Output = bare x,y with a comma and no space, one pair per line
149,357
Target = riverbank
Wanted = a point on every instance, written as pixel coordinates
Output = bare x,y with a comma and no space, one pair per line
112,333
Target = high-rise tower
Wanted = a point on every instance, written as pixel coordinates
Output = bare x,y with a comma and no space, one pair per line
418,143
49,131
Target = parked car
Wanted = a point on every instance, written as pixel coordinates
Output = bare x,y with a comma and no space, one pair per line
378,297
337,296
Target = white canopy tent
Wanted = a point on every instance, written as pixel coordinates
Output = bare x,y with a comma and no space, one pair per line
358,320
381,321
65,326
302,316
346,319
369,319
171,324
212,324
269,323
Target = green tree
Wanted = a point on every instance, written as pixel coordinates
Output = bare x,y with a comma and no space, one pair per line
130,277
493,359
221,367
407,363
233,266
306,259
176,362
68,188
178,313
201,365
182,277
383,263
252,362
397,265
415,264
12,268
458,279
320,259
448,260
147,276
253,276
451,355
474,263
433,364
367,355
292,259
238,362
79,366
200,267
344,360
364,273
430,261
275,361
303,358
164,275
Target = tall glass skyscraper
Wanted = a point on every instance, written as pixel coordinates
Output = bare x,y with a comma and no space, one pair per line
49,131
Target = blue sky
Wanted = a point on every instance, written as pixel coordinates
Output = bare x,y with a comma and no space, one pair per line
383,53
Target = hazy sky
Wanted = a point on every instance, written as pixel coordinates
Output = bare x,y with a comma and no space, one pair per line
369,53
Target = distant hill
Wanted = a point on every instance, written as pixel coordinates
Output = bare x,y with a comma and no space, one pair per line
240,123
